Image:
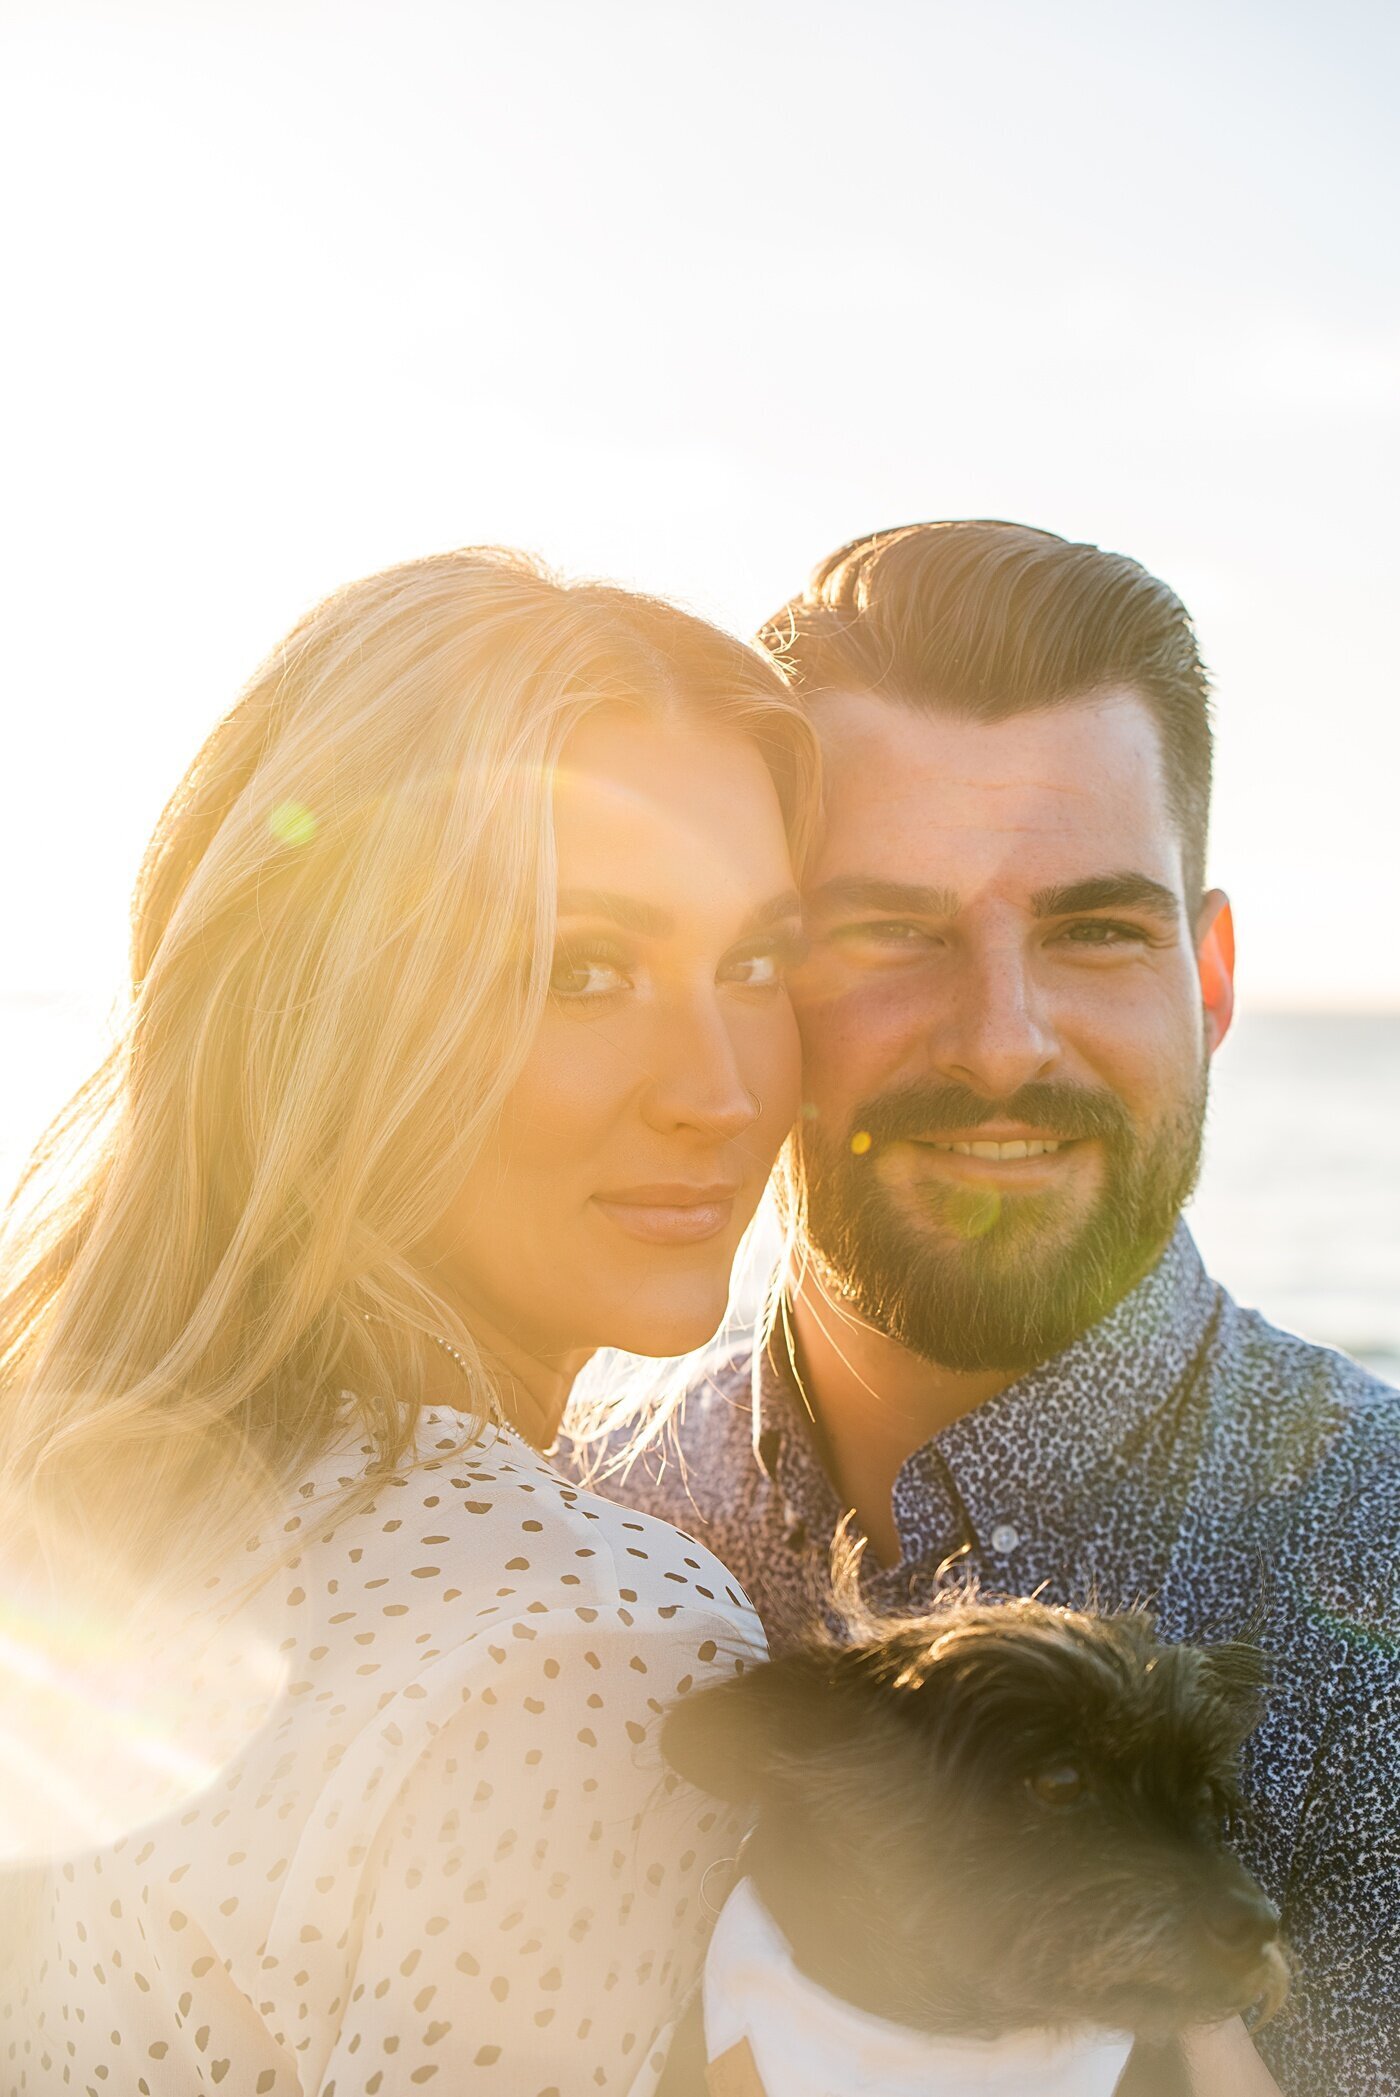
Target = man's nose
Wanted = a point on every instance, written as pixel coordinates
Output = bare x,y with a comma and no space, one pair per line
695,1078
991,1031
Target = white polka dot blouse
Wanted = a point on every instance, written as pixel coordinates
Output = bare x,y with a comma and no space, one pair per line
450,1857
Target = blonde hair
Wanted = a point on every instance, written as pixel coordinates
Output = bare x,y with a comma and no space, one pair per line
341,943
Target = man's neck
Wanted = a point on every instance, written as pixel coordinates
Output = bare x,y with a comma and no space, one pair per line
874,1404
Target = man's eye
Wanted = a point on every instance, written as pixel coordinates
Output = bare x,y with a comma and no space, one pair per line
578,977
883,932
1101,932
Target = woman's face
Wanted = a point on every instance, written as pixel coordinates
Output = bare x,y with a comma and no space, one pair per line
636,1141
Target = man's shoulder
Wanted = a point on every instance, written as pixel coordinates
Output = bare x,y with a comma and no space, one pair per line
1307,1404
1319,1436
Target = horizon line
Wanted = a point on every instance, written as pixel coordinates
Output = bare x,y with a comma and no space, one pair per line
1293,1004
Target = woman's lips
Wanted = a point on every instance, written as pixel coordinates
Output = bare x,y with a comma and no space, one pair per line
669,1214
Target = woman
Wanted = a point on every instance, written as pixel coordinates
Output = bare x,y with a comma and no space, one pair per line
459,1048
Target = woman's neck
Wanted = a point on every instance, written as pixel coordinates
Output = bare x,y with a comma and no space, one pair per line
533,1387
529,1380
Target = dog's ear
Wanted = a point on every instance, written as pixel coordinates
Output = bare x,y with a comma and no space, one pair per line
1238,1675
728,1739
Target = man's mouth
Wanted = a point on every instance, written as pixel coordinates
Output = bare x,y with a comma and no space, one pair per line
1017,1147
1011,1143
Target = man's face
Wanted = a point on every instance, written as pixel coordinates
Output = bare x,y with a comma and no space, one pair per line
1006,1018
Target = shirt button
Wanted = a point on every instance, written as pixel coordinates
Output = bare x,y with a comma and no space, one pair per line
1005,1538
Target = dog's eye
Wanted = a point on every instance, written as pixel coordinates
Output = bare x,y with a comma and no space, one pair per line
1214,1806
1062,1784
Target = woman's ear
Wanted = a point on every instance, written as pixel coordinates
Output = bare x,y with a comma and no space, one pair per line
729,1739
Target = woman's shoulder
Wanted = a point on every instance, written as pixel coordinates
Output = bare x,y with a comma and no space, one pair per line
481,1528
476,1580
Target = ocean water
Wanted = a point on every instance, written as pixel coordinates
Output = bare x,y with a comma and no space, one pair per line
1298,1210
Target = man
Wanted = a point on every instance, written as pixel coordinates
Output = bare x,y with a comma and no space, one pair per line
998,1345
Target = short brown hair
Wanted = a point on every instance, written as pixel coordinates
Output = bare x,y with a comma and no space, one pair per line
988,619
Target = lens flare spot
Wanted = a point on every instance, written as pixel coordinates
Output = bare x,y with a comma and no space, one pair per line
809,1110
861,1142
292,823
973,1214
104,1729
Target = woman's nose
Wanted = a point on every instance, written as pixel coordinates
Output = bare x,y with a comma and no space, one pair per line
695,1078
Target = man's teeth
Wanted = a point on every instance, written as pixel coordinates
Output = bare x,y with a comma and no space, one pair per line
1032,1147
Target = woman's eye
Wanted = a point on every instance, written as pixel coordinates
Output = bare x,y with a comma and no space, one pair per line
582,976
764,968
755,972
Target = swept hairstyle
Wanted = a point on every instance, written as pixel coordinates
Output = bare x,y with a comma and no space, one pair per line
986,619
341,945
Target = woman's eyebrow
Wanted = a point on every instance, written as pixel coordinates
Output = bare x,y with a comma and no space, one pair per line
773,912
630,912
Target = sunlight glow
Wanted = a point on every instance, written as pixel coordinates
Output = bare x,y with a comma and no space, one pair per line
104,1726
693,348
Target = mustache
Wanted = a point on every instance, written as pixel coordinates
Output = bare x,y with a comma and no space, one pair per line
921,1111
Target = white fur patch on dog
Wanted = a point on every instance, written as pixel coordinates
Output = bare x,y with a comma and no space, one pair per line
805,2043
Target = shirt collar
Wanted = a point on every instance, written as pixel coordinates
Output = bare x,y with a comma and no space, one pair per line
1074,1421
1068,1420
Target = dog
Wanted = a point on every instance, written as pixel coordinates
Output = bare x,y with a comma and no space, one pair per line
1000,1830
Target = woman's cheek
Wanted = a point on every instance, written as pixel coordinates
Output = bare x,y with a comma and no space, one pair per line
773,1073
573,1080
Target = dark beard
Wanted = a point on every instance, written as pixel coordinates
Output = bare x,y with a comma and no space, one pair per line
999,1281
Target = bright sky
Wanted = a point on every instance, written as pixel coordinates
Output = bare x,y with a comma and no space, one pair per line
684,293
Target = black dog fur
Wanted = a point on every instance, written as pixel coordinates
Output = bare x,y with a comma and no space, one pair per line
1002,1816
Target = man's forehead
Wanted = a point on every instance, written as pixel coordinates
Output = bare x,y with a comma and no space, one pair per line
1062,793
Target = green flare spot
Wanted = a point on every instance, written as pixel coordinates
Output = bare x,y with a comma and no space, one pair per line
292,823
972,1215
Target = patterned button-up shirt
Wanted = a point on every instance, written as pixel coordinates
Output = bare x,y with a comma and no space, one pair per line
1185,1453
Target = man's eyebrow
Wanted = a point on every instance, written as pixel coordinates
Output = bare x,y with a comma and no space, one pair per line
1117,891
893,898
1123,891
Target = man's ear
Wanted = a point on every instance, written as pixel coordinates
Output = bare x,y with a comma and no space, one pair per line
727,1739
1215,964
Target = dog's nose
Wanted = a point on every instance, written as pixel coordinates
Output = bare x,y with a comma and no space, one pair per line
1241,1922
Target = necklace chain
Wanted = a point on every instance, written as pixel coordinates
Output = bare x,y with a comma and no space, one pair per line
496,1409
